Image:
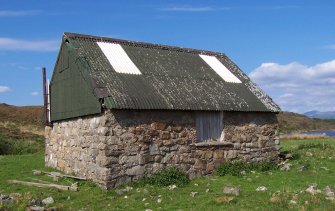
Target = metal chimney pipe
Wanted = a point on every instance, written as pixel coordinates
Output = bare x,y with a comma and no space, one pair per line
45,98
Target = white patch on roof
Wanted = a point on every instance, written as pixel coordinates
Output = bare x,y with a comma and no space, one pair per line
118,58
220,69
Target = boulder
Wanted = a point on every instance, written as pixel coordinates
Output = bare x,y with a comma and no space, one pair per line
231,190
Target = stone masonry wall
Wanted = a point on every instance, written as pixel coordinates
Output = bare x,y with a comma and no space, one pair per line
124,145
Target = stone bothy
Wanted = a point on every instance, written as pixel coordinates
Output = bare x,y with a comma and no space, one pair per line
121,110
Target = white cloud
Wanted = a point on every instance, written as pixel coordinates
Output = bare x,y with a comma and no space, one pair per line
330,47
275,7
26,45
13,65
215,8
37,68
12,13
4,89
188,9
35,93
296,87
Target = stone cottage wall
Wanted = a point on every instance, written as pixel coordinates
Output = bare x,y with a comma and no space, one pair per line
124,145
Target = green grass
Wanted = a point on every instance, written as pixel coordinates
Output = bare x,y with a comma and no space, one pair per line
165,177
286,185
240,168
21,145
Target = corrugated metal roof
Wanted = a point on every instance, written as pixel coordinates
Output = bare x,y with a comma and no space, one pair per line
172,78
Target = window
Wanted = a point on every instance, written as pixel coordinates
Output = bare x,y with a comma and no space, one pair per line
209,126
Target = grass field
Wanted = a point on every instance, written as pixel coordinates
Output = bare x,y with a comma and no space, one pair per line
284,188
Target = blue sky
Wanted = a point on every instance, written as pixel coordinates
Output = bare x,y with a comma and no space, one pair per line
286,46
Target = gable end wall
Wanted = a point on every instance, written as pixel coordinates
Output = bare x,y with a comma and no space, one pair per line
71,93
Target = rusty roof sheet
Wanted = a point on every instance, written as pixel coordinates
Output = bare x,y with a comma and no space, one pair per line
171,78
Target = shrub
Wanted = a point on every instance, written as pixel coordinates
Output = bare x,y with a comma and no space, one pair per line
167,176
4,147
14,146
322,146
239,168
264,166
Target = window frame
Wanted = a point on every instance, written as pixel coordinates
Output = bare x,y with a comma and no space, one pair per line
209,126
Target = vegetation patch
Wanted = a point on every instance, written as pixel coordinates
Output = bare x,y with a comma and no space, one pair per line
239,168
19,146
322,146
302,136
167,176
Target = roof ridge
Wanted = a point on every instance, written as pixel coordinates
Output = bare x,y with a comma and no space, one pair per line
142,44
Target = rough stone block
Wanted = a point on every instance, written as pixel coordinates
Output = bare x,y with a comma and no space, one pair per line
243,138
129,160
164,150
168,158
154,149
113,152
153,133
184,149
174,135
138,130
145,139
177,129
94,122
61,164
127,136
218,154
136,170
168,143
144,148
164,135
237,146
104,161
122,180
157,167
231,154
182,141
174,147
144,159
47,132
158,126
208,154
185,159
210,167
194,173
103,131
199,164
158,158
182,134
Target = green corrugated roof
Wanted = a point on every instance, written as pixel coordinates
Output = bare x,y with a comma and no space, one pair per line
172,78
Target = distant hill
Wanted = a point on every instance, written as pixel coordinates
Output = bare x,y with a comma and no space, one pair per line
320,114
20,120
293,122
27,121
